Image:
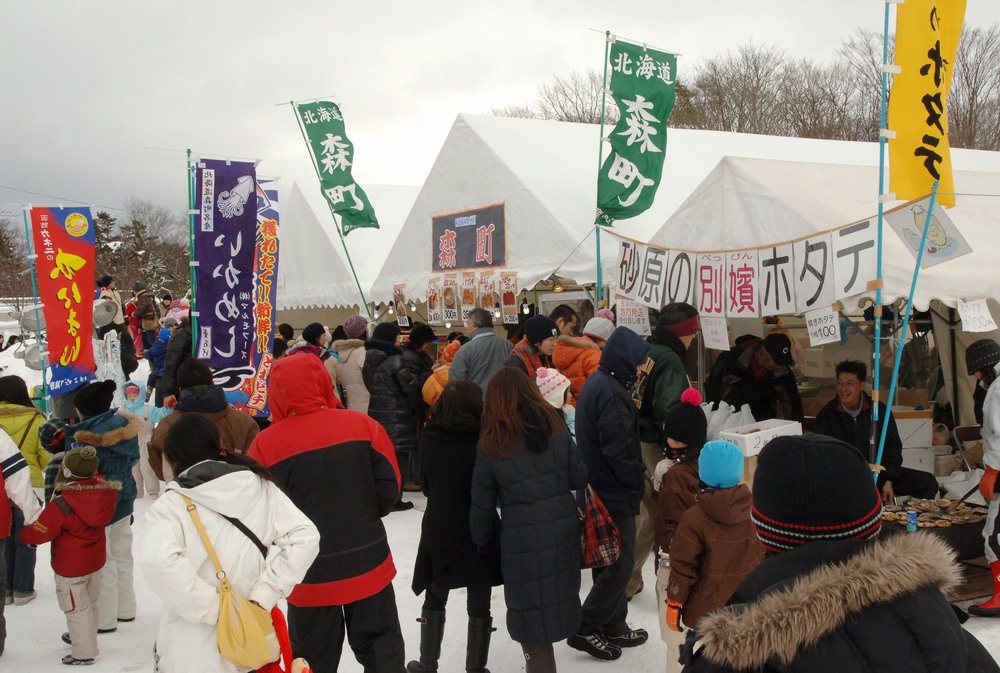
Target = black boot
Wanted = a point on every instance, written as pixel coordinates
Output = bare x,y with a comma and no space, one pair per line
477,650
431,634
539,659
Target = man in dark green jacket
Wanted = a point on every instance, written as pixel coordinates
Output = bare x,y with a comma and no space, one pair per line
664,379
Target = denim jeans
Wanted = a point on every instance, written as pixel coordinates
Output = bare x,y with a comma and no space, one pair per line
19,557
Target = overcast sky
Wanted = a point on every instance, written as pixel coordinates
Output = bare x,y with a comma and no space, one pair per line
99,99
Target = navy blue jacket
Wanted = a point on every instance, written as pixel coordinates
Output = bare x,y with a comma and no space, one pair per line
607,424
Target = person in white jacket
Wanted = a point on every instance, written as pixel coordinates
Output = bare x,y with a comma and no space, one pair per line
176,565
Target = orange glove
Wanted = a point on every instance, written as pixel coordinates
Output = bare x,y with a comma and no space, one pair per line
988,482
674,616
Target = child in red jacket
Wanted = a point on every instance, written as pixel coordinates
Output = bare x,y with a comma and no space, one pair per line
74,523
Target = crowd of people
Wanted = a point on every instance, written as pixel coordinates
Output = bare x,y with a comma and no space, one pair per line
503,437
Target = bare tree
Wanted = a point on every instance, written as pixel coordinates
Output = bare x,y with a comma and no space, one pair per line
15,275
159,221
574,98
974,100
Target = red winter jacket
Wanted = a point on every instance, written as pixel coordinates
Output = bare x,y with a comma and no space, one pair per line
74,523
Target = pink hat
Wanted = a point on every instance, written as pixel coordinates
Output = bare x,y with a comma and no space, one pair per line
552,385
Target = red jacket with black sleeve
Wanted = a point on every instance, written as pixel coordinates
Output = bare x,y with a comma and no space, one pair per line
74,523
339,468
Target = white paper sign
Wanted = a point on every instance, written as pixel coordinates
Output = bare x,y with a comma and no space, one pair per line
814,284
976,316
854,258
714,333
629,267
777,280
823,326
652,279
680,278
944,241
742,281
633,315
710,268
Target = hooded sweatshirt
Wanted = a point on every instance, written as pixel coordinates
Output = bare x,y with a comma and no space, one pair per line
22,424
339,467
74,523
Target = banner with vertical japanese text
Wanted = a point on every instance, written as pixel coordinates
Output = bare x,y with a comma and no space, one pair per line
333,155
246,384
927,34
63,240
642,84
225,235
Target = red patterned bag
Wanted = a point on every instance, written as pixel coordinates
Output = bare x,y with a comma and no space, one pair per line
600,540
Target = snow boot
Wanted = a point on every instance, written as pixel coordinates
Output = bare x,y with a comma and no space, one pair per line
990,608
477,649
431,635
539,659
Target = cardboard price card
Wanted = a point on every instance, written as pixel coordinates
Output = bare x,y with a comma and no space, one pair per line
399,300
976,316
487,291
470,293
823,326
434,301
449,298
508,297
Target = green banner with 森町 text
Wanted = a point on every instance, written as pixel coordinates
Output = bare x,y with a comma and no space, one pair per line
333,155
642,84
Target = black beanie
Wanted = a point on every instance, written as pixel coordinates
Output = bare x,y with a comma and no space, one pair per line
686,422
539,328
982,354
312,333
386,331
420,335
813,488
95,398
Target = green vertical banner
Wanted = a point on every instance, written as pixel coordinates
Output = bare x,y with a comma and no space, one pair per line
642,84
333,156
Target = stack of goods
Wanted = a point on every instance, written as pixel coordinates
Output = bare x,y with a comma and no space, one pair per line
940,513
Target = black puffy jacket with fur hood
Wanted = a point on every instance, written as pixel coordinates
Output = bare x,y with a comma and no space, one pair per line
845,607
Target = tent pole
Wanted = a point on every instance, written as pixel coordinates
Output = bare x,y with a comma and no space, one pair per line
600,162
873,454
906,322
193,311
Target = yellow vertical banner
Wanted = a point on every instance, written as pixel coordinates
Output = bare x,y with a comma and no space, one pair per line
927,34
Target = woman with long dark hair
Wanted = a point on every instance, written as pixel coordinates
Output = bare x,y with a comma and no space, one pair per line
20,419
229,491
528,462
446,557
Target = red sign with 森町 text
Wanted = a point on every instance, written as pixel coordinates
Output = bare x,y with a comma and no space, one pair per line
63,240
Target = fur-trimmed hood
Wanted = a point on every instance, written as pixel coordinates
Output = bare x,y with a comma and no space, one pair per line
779,624
108,429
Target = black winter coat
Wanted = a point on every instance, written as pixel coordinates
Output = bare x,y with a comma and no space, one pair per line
392,388
845,607
607,425
539,535
421,367
446,555
178,350
833,421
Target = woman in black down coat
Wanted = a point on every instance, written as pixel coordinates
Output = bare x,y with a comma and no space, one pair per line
392,389
420,364
446,557
527,459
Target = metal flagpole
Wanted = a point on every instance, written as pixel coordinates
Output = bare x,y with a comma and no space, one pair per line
192,261
336,225
33,272
600,162
906,318
883,137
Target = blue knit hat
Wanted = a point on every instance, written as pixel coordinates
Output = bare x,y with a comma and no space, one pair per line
720,464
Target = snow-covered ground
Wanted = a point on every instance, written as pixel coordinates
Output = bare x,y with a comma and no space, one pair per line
33,630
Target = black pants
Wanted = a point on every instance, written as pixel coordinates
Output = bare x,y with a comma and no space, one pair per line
605,609
478,603
915,483
373,633
3,587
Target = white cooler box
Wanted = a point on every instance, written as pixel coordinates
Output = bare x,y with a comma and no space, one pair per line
752,437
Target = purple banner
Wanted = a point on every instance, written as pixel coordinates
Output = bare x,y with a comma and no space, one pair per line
224,241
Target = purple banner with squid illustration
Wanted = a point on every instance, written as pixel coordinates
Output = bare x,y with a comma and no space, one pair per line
224,240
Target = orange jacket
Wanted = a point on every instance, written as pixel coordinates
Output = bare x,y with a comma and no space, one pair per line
435,384
576,358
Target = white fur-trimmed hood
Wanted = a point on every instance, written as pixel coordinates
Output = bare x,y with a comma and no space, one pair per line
778,625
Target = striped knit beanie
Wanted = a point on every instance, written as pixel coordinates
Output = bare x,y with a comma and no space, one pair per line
811,488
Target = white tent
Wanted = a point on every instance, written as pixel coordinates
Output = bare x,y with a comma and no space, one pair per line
750,203
312,269
546,174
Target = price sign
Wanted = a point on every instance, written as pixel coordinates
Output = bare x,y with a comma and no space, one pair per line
976,316
633,315
714,332
823,325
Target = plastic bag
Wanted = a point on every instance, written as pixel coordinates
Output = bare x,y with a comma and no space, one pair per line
960,483
716,418
743,416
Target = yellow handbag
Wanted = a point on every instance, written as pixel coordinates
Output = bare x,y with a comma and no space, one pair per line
245,632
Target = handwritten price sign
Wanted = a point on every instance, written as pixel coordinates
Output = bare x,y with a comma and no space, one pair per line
823,325
976,316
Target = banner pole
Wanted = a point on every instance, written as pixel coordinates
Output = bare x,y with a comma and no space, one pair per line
193,312
906,317
600,163
336,225
874,456
33,272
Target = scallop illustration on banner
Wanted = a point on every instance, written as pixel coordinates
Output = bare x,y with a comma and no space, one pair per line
944,241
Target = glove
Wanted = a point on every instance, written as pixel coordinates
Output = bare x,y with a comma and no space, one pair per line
674,616
988,482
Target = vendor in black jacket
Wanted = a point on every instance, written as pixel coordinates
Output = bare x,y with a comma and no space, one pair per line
759,374
848,417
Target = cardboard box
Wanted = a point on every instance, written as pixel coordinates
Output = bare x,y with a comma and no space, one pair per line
913,397
752,437
945,464
919,459
916,428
